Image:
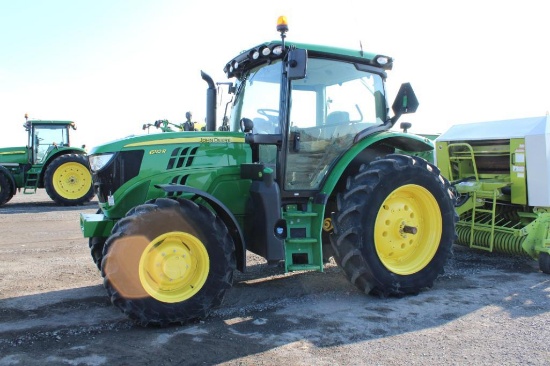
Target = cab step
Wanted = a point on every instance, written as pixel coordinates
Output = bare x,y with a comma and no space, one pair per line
302,251
31,181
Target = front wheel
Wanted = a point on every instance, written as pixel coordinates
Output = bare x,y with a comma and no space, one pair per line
394,226
168,261
96,244
68,180
6,189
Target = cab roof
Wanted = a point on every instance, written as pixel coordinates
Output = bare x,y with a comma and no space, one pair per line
268,51
50,122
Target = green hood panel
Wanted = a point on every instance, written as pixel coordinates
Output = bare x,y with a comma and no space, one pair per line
158,140
14,155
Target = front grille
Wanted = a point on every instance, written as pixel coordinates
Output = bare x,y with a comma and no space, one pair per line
123,167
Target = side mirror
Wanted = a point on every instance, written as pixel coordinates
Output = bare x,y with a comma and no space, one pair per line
297,64
405,102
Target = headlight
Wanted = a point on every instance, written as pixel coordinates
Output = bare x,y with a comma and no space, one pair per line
277,50
97,162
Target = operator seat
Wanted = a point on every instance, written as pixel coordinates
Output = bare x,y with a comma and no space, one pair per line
337,117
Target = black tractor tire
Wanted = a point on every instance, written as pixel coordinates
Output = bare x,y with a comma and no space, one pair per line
168,261
96,245
544,262
6,189
68,180
394,226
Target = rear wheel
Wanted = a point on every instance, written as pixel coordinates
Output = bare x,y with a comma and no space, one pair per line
394,226
168,261
6,189
68,180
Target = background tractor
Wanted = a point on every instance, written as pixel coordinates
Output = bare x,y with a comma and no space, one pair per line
48,161
306,168
501,173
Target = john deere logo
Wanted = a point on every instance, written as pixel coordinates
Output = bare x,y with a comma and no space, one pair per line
215,139
186,140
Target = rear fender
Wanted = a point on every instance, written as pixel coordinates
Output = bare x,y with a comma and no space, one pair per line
54,154
58,151
377,146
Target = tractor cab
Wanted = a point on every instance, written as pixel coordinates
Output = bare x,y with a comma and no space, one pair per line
46,136
303,106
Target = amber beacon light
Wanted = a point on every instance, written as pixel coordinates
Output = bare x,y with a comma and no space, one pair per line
282,24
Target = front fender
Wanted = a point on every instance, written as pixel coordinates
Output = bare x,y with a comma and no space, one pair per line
221,210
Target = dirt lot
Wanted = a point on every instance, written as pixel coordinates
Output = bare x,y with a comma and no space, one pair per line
487,309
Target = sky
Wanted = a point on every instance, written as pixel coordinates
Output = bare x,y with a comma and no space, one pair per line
113,65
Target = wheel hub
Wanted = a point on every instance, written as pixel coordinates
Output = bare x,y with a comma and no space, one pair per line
72,180
174,267
408,229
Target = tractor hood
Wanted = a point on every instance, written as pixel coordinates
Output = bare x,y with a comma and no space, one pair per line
154,141
131,165
14,155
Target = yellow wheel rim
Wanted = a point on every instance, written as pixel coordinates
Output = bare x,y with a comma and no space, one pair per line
72,180
174,267
408,229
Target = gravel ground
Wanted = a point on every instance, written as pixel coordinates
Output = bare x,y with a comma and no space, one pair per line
488,309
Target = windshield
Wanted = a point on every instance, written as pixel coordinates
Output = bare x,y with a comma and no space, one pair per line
257,99
46,138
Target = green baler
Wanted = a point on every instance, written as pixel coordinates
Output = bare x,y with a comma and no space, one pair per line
501,173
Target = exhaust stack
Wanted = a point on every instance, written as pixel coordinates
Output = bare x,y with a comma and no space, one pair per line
210,102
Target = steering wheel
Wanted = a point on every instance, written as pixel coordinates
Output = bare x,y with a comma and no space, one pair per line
272,115
268,125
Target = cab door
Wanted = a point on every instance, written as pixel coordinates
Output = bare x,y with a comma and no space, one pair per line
329,107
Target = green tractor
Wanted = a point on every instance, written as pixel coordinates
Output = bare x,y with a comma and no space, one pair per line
308,170
48,161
